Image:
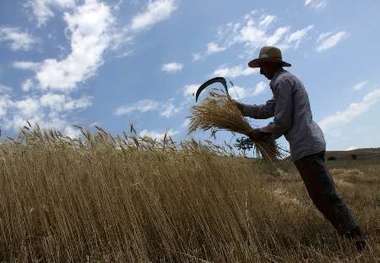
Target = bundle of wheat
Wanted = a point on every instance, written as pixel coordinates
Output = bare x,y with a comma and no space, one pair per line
218,111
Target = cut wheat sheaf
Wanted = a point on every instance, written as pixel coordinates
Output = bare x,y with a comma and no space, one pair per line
219,112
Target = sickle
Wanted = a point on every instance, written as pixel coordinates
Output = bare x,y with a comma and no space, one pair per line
212,81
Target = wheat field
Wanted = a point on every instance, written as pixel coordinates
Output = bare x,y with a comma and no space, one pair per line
132,199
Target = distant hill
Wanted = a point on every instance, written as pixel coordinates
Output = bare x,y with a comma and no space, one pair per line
357,154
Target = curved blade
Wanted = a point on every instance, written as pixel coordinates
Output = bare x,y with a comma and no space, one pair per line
208,83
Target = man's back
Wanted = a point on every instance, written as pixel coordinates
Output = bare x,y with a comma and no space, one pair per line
304,135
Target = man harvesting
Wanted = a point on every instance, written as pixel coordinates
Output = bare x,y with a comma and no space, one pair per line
292,114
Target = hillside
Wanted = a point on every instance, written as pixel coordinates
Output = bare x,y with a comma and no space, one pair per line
357,154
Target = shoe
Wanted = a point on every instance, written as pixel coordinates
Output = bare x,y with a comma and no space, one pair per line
358,237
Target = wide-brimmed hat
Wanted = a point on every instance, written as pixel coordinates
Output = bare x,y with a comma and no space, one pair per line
268,54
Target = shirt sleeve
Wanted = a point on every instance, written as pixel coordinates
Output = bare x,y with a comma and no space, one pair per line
263,111
283,110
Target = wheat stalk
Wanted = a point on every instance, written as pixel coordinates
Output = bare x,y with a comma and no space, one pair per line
218,111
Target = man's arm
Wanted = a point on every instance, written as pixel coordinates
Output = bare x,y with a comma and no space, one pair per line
283,110
263,111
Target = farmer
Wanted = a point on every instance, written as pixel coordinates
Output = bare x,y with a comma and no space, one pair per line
292,114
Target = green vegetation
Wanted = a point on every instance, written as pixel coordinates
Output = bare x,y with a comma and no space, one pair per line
131,199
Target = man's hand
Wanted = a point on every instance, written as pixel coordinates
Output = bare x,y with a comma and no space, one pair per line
258,135
238,105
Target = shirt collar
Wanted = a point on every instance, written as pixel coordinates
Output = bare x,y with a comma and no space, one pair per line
276,75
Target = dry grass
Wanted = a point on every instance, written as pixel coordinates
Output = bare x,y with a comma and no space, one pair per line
131,199
218,111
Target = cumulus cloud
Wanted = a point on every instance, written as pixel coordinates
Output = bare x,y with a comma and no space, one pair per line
27,85
241,93
4,89
316,4
329,40
212,48
140,106
254,31
48,111
296,37
26,65
155,12
260,88
90,27
360,85
63,102
189,90
166,109
234,72
16,39
238,92
158,135
353,111
43,10
172,67
5,102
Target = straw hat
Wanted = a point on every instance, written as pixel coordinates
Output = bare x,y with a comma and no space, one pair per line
268,54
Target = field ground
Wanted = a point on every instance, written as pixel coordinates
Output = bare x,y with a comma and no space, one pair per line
104,201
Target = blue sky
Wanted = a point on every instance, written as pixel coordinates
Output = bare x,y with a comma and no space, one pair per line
109,63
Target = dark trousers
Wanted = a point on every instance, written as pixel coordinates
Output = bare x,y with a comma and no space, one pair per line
321,188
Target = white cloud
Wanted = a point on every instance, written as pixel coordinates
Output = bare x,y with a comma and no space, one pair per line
241,93
329,40
214,48
5,103
158,135
16,39
90,26
43,9
172,67
48,111
316,4
140,106
260,88
166,109
169,109
28,106
62,102
360,85
296,37
277,36
189,90
267,20
254,31
26,65
234,72
72,132
353,111
4,89
237,92
155,12
27,85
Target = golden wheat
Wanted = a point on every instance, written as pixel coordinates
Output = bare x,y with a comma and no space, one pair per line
218,111
107,198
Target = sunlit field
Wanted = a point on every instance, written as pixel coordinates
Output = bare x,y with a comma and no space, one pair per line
132,199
